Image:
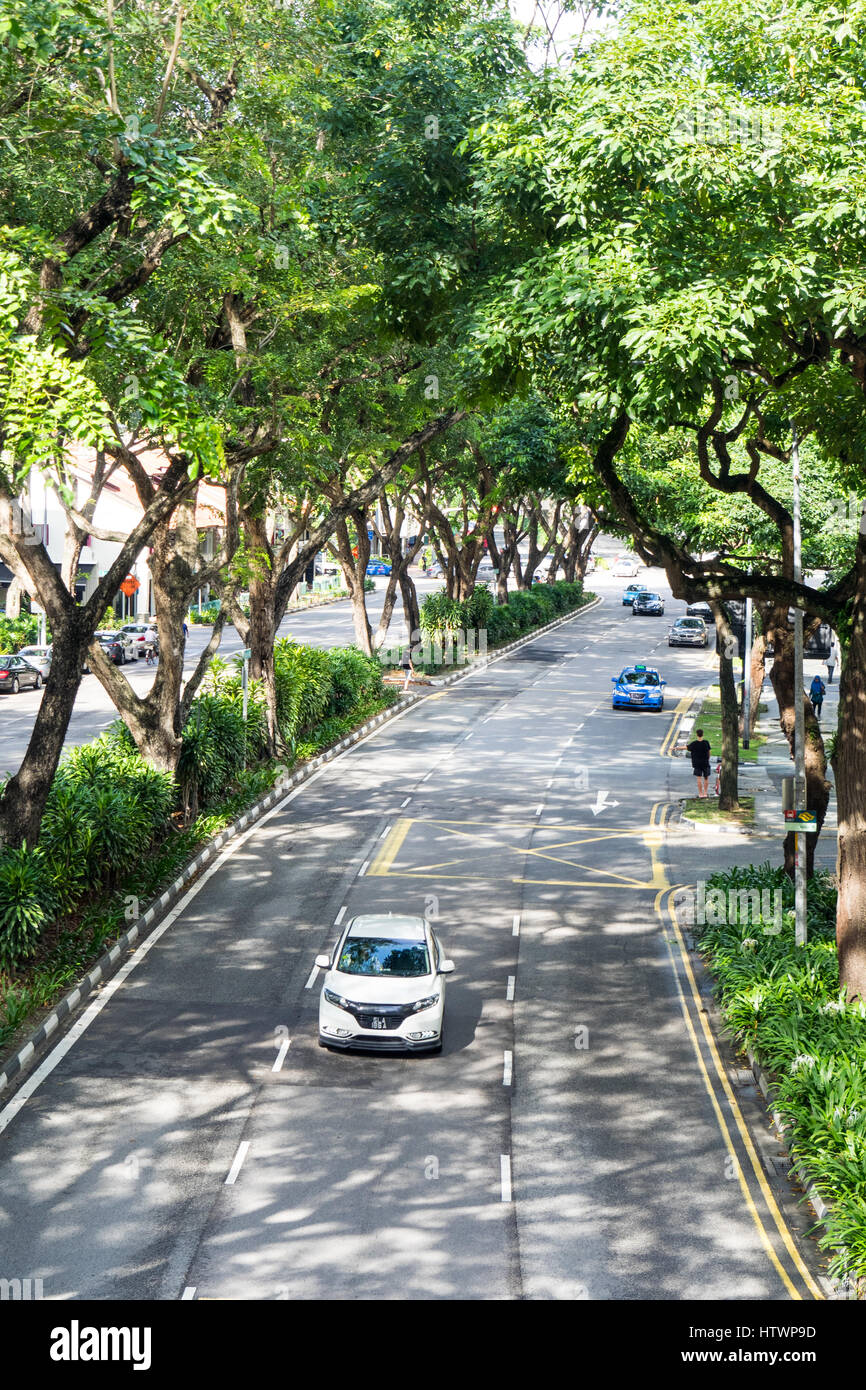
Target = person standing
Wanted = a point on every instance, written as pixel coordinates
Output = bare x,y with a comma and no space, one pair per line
816,694
834,658
699,752
408,668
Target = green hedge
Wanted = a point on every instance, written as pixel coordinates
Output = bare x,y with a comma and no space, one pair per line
785,1002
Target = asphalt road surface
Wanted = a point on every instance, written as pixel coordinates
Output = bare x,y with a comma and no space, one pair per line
575,1139
327,626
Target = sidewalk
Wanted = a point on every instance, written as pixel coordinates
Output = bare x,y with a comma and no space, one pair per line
763,779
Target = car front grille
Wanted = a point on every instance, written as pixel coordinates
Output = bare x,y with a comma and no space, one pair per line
393,1014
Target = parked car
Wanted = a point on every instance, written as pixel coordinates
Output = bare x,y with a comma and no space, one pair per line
16,673
384,987
486,574
630,592
435,571
378,567
117,646
624,569
700,609
647,603
40,657
688,632
141,636
324,564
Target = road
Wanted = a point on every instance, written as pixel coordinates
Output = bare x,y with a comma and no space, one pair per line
575,1139
327,626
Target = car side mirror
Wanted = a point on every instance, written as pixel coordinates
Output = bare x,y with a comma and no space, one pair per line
323,962
662,682
446,967
613,679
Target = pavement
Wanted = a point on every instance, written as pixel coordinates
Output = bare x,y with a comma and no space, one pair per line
580,1136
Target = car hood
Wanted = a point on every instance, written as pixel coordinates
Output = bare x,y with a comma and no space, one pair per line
381,989
639,689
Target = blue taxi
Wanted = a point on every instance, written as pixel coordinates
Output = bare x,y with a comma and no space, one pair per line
638,687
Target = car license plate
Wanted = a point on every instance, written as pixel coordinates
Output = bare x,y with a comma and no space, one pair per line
378,1023
636,699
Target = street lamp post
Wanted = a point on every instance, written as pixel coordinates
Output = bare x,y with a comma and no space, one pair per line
799,713
747,675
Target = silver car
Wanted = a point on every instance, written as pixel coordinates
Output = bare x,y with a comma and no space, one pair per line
40,657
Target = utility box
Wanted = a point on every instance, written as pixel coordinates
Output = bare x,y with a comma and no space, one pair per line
788,799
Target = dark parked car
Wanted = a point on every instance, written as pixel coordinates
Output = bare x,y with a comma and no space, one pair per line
700,609
116,647
647,603
15,673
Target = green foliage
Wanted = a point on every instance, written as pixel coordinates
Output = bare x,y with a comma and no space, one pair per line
356,679
304,688
18,632
785,1002
27,903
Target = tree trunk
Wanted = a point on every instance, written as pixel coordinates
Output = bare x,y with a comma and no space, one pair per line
729,797
817,786
25,794
849,765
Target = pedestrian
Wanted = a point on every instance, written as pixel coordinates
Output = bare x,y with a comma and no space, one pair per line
816,694
408,668
185,630
833,659
699,751
718,777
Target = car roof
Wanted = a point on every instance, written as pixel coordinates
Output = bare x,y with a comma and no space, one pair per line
639,666
386,925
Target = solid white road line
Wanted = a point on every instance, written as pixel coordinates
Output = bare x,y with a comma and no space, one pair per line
509,992
363,869
505,1177
385,832
405,803
281,1055
426,775
340,915
188,1293
241,1154
312,977
579,726
515,924
507,1067
539,810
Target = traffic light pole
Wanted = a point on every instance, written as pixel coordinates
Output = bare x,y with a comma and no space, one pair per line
799,715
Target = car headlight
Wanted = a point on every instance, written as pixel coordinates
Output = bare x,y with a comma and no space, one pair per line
336,999
425,1003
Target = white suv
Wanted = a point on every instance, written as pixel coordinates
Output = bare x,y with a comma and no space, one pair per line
385,991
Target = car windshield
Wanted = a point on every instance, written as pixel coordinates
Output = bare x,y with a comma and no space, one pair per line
377,955
639,678
647,598
690,622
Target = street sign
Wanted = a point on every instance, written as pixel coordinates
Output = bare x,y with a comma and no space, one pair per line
802,822
247,653
130,586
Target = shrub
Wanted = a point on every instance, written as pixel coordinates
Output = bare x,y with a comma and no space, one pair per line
355,678
212,752
304,688
27,903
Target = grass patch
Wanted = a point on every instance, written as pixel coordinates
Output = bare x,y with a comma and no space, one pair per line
707,811
710,720
785,1003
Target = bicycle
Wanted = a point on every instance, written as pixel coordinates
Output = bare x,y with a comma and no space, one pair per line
149,655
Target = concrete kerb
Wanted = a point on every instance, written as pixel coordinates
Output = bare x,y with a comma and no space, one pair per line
111,961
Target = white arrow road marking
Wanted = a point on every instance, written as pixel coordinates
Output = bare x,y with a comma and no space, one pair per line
602,803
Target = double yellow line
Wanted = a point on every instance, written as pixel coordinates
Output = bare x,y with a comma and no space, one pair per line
733,1105
669,739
